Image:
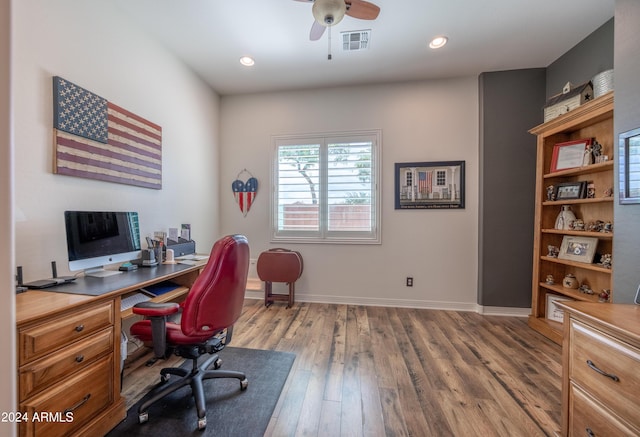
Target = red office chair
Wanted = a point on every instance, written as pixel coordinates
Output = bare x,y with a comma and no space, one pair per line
209,312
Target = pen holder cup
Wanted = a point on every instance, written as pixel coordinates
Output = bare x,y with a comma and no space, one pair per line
158,252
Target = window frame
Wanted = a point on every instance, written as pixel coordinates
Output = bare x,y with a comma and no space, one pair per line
323,235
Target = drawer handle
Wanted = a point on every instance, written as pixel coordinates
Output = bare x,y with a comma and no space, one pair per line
602,372
79,358
590,433
79,328
78,405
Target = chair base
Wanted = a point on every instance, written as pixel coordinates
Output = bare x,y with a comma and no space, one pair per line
193,378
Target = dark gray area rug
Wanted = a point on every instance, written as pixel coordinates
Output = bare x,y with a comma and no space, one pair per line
230,412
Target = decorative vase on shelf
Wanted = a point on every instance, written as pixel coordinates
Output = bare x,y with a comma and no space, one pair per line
565,218
570,281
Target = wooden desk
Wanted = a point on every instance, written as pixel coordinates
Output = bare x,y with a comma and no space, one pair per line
600,369
69,351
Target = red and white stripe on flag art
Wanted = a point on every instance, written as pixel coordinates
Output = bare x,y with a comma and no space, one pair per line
97,139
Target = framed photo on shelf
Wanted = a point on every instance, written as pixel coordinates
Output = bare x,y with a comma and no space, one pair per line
570,190
553,311
575,248
570,154
629,170
429,185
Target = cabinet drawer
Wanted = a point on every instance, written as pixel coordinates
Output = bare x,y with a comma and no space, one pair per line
39,374
621,392
39,340
69,405
589,418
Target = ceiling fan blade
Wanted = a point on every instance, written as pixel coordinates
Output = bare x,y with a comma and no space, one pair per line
362,9
317,30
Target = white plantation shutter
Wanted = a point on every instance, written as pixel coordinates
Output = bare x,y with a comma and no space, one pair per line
326,188
349,186
633,159
298,182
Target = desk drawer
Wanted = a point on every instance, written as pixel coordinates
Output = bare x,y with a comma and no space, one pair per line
39,374
69,405
40,340
620,394
589,418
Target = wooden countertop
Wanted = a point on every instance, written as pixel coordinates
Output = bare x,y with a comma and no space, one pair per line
35,304
623,319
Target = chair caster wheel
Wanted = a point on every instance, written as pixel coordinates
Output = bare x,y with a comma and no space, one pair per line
143,418
244,384
202,423
217,363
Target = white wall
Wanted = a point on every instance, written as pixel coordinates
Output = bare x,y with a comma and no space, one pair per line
420,121
90,44
7,313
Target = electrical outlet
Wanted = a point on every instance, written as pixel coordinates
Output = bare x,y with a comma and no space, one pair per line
409,281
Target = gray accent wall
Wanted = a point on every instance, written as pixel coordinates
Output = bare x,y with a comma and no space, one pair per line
591,56
626,240
511,103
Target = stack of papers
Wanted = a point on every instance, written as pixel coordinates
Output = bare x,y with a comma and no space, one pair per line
192,260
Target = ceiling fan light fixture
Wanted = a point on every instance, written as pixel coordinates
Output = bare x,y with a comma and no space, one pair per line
329,12
438,41
247,61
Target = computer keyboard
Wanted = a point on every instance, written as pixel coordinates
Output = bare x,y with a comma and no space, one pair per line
129,301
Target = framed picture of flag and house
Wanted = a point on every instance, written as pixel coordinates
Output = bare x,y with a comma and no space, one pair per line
429,185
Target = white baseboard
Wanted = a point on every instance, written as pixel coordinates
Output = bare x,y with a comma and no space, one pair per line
404,303
504,311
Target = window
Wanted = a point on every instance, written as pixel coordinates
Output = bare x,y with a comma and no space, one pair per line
326,188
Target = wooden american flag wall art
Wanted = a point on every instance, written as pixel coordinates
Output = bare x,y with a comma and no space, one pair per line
97,139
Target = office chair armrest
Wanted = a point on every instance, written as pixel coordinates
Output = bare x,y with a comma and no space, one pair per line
157,314
154,309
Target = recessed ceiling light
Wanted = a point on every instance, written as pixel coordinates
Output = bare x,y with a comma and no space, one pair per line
438,42
247,61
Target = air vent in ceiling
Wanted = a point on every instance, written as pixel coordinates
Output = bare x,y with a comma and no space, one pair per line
356,40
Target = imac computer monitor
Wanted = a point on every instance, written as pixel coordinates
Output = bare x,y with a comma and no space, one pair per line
98,238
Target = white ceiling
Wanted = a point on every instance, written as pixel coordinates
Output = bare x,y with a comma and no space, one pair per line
484,35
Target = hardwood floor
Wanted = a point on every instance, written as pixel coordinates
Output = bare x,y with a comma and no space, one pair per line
373,371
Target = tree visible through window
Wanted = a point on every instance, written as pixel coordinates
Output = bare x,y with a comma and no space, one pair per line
326,188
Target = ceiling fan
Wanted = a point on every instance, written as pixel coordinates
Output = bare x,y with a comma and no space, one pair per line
328,13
